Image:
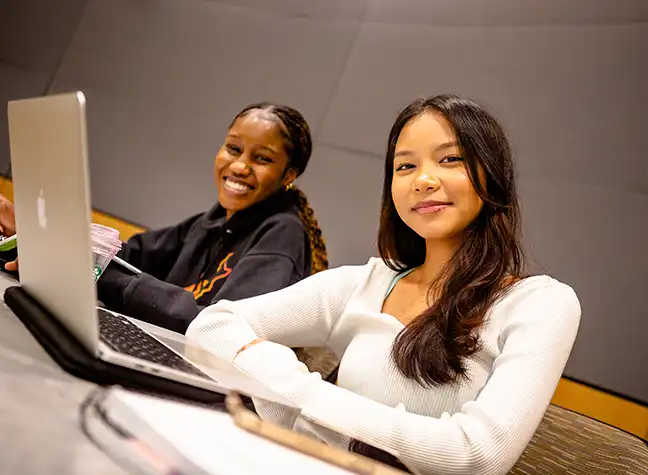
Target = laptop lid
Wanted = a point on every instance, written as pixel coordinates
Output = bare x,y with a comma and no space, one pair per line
49,162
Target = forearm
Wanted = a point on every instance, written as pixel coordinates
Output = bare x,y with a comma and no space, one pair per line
146,298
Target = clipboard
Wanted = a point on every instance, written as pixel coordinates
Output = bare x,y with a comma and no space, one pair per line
250,422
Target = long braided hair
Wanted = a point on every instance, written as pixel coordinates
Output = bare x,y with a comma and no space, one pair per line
319,258
299,147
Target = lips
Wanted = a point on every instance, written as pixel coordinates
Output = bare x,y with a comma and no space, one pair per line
236,186
430,206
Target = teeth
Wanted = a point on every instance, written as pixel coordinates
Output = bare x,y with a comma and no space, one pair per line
236,186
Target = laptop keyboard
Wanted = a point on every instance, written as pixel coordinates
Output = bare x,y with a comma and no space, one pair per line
128,339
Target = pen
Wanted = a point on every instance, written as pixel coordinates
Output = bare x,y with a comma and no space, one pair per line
126,265
6,244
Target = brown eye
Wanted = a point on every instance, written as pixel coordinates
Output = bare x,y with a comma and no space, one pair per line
262,159
233,149
452,159
404,166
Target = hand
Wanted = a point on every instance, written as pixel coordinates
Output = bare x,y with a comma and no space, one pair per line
7,217
12,266
8,226
246,346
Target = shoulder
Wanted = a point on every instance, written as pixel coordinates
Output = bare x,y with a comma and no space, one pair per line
284,225
542,299
547,287
374,276
375,268
170,234
279,234
284,222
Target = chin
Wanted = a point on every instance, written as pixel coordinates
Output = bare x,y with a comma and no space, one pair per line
433,233
435,227
434,237
233,204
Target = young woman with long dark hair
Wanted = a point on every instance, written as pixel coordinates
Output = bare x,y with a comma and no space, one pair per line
450,354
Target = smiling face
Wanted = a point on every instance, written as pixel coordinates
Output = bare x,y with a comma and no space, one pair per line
431,188
252,163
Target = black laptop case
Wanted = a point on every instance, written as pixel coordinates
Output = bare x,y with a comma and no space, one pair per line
73,357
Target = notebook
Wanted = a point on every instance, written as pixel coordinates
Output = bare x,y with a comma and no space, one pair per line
191,440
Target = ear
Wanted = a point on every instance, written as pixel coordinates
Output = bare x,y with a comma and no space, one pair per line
289,176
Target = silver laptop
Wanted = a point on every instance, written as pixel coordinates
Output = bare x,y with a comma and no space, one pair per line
49,162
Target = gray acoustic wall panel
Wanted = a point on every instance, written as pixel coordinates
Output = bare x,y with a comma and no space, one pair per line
321,9
345,189
33,38
570,97
507,12
15,83
594,238
34,34
568,79
165,77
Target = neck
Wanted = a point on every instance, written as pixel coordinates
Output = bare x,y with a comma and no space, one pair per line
437,255
271,204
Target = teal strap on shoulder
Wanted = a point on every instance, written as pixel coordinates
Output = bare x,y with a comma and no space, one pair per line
395,280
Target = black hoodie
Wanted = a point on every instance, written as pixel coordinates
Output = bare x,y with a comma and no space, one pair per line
207,258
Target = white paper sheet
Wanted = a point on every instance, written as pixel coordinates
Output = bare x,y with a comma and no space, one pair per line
205,441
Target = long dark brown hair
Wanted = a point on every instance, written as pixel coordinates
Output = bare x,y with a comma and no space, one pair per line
433,348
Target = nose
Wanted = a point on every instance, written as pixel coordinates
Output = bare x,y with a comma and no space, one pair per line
240,167
426,182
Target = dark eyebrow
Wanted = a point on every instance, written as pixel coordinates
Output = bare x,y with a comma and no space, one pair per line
272,150
445,145
264,147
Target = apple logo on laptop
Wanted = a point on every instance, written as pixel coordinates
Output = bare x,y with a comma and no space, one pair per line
40,207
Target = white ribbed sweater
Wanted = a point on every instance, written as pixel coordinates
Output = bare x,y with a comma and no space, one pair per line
481,425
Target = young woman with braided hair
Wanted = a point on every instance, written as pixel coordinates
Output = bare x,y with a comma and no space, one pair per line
261,236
